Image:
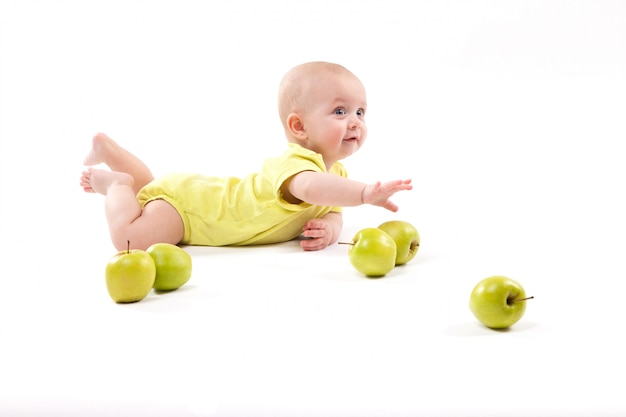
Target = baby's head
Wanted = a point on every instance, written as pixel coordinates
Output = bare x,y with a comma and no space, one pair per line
306,85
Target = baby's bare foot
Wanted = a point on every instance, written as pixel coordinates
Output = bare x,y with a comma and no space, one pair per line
98,149
85,179
99,181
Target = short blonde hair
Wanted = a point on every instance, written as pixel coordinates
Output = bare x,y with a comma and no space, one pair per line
297,81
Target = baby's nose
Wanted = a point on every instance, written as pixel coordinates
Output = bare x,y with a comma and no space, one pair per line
355,122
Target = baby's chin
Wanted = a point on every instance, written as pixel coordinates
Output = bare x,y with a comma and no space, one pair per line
349,148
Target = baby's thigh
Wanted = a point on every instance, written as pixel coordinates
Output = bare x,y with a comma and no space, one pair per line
159,223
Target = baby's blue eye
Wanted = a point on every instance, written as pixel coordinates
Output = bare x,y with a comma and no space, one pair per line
360,112
340,111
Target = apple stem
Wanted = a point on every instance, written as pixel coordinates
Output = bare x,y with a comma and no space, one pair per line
128,246
522,299
345,243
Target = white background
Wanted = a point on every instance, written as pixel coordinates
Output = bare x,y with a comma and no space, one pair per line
508,117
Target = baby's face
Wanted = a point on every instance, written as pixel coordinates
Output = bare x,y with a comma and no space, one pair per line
334,117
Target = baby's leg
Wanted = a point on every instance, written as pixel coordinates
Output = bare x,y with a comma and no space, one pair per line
106,150
99,181
157,222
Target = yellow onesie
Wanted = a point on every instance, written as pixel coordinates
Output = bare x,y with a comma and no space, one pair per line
242,211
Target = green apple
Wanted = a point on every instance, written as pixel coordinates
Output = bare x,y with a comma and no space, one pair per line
498,302
372,252
173,266
130,275
406,237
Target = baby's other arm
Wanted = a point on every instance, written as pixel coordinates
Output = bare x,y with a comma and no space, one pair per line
322,232
324,189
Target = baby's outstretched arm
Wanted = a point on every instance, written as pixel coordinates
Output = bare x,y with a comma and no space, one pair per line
326,189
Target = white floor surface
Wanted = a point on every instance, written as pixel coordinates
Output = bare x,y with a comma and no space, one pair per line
508,116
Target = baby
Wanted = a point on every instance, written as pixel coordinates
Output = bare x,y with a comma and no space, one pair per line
322,107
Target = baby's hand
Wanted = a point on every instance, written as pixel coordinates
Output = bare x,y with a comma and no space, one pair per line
378,194
319,235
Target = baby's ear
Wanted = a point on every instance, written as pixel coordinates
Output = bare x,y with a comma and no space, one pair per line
296,127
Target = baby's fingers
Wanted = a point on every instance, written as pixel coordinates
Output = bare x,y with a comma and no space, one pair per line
402,185
392,187
391,206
